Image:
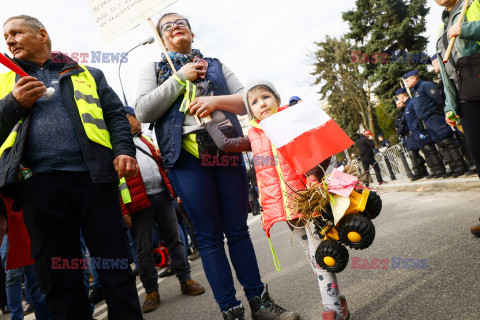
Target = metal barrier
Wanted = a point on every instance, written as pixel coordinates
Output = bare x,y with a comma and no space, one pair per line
398,159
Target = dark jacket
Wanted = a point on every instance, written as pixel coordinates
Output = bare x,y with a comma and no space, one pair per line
427,99
365,147
99,159
401,124
168,128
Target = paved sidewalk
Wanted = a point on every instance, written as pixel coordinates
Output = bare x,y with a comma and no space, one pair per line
404,184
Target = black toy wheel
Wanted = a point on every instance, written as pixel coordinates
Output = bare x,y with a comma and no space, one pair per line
356,231
374,205
332,256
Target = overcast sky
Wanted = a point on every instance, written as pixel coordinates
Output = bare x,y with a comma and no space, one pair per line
255,39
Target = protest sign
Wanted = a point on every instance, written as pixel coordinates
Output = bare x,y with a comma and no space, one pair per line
116,17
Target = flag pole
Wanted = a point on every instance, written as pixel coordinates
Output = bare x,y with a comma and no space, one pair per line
452,40
157,35
403,84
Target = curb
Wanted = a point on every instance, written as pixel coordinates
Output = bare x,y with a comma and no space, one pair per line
431,184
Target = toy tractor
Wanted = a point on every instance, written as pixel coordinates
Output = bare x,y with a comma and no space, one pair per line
349,221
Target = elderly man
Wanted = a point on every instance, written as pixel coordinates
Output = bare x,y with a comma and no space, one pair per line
62,158
428,104
463,101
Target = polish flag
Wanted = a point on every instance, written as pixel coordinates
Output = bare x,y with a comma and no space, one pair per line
305,135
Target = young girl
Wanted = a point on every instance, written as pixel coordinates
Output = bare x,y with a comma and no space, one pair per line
262,100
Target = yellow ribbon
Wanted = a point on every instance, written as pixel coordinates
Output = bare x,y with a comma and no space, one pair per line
275,257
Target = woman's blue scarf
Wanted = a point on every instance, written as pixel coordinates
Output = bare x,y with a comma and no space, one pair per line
164,71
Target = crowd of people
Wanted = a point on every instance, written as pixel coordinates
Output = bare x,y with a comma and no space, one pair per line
72,163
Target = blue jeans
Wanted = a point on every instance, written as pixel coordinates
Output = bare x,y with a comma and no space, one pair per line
216,200
133,247
13,285
183,238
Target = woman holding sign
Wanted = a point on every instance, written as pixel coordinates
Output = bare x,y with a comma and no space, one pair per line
213,185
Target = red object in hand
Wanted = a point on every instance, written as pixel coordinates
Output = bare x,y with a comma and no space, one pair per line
12,66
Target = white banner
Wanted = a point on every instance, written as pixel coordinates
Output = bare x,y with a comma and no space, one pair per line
116,17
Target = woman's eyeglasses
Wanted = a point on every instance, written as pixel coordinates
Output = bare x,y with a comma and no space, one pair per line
181,23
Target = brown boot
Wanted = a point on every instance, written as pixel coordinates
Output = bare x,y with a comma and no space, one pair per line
191,287
152,300
475,230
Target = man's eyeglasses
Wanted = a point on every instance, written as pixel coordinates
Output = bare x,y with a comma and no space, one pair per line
181,23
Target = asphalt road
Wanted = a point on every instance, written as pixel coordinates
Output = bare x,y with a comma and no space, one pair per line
432,272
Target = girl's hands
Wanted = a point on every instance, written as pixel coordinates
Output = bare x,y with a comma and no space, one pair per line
311,180
193,70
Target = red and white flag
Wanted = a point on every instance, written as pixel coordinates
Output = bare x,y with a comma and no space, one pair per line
305,135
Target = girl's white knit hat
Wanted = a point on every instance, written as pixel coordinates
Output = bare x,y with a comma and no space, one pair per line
253,84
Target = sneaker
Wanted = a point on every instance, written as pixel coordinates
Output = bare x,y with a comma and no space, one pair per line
475,230
344,314
264,308
152,300
167,272
96,295
344,307
235,313
192,288
194,256
5,309
28,308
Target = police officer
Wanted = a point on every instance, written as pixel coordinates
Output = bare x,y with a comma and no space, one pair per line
419,138
409,141
428,105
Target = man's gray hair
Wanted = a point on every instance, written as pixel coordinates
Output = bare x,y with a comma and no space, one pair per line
32,23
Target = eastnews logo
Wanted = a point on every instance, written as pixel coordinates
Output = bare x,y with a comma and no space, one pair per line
91,57
393,263
393,57
97,263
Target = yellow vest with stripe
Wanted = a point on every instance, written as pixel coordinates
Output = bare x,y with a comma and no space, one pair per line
7,81
473,11
472,14
88,104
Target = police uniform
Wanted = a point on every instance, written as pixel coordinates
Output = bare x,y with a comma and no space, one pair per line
404,130
428,104
420,139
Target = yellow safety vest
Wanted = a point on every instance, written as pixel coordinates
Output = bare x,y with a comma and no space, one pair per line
7,81
472,14
88,104
89,108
